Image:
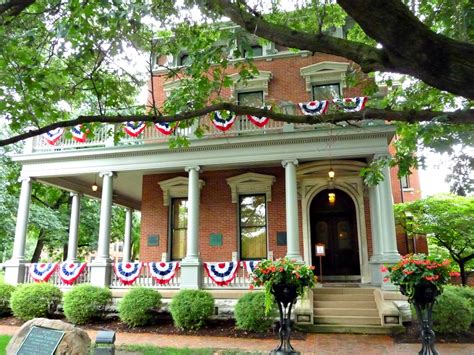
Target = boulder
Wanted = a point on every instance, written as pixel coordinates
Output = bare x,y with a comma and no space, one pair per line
74,342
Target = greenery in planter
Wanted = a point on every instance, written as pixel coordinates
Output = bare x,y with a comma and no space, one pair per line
84,302
135,309
282,271
250,313
35,300
191,308
5,294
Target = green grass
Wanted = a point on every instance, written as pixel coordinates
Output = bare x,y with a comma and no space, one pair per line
153,350
4,339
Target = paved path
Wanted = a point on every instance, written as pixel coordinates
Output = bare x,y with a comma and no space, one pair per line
321,344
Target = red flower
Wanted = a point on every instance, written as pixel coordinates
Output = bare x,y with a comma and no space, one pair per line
383,269
408,272
386,279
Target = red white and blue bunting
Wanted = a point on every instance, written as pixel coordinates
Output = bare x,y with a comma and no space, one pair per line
41,272
250,265
164,127
222,273
77,134
134,129
223,121
162,271
259,121
53,136
351,104
314,108
69,271
127,272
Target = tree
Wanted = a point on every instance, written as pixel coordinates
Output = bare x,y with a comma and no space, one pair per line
62,64
447,221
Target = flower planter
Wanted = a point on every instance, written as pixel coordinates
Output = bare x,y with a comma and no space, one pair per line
285,293
425,293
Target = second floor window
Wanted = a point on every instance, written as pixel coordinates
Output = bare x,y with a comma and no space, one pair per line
405,182
184,59
178,227
326,92
254,99
254,51
253,227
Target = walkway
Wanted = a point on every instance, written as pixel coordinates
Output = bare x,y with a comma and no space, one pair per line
321,344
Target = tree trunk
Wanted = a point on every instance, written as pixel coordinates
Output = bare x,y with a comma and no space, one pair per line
39,247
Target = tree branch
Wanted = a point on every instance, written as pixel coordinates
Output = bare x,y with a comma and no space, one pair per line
456,117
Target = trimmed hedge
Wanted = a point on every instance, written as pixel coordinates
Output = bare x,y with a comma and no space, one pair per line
465,292
84,302
5,295
191,308
136,308
250,313
35,300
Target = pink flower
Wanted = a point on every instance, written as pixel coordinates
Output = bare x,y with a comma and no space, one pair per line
383,268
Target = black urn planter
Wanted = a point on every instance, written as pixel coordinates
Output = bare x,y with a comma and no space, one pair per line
424,297
285,296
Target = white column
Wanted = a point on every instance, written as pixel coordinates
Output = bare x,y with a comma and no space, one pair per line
22,219
127,240
191,268
292,229
389,241
105,216
74,226
377,242
192,239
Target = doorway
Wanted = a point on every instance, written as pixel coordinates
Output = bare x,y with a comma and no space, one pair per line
333,223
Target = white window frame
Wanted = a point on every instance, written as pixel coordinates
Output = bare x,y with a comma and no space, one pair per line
324,73
251,184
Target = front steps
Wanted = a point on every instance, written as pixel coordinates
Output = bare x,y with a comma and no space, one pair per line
346,310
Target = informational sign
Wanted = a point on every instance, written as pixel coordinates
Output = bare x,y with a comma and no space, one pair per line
40,341
320,250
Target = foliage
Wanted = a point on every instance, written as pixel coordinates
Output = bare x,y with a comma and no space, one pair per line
451,314
84,302
35,300
415,269
136,308
448,222
282,271
6,291
191,308
465,292
250,313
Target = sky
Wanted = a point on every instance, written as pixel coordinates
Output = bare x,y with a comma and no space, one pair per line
432,178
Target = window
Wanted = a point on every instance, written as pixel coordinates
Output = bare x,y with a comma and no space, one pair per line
178,227
326,92
405,182
120,247
254,99
253,226
184,59
254,51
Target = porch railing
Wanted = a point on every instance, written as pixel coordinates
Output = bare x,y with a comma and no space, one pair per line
145,279
55,280
241,281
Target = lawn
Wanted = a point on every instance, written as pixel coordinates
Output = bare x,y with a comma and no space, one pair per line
152,350
4,339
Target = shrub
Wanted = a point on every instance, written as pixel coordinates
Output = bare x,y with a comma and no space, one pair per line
250,313
451,314
467,293
5,294
35,300
136,307
84,302
191,308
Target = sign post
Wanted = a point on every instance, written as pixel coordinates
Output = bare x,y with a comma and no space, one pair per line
320,251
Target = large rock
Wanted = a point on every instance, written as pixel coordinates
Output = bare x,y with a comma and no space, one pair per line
74,342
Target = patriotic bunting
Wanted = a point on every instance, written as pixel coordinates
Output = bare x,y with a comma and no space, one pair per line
134,129
127,272
223,123
69,272
77,134
250,265
42,271
53,135
351,104
164,127
222,273
259,121
163,272
314,108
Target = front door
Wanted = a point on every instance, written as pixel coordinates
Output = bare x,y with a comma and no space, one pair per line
333,223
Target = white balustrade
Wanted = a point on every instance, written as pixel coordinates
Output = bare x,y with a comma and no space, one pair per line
145,279
84,277
241,280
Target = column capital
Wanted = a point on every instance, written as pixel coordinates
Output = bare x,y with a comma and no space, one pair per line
25,179
381,156
75,194
108,173
294,162
189,168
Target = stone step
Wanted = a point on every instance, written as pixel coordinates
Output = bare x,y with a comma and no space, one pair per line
347,320
349,329
343,297
344,290
344,304
362,312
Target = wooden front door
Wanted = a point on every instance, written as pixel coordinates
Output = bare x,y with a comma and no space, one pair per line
334,225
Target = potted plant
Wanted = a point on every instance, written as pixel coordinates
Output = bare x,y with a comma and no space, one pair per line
419,276
277,275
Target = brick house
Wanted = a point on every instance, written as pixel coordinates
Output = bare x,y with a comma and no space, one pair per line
246,194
